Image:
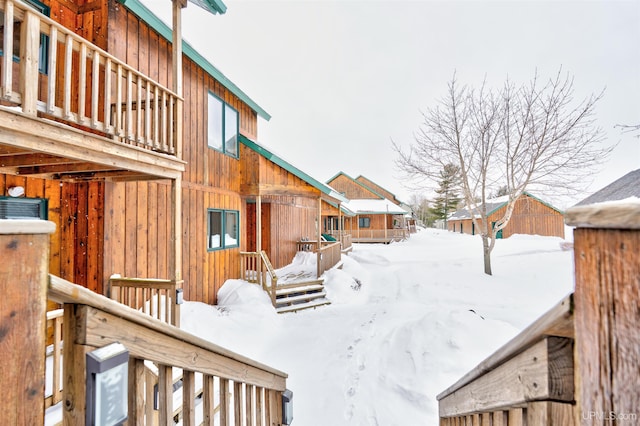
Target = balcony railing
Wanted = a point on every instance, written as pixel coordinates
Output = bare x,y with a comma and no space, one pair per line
81,84
364,235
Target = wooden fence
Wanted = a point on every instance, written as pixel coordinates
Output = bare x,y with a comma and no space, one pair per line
329,256
364,235
112,98
578,364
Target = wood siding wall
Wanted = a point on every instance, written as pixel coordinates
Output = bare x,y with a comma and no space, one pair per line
351,189
77,209
138,225
380,190
292,206
530,217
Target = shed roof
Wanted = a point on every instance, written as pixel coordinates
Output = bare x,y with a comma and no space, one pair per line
215,6
626,187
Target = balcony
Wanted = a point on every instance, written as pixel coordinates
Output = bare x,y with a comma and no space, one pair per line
71,111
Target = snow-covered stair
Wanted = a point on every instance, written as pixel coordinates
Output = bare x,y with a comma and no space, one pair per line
295,297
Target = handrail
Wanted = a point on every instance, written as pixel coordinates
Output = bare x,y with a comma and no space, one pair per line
534,371
154,296
55,317
254,268
329,256
109,96
92,320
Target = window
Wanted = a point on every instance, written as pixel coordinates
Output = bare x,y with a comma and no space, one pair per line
364,222
43,58
222,126
222,229
23,208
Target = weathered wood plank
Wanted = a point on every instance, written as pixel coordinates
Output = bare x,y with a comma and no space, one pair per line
558,321
543,371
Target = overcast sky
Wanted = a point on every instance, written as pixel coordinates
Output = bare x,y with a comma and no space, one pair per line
341,79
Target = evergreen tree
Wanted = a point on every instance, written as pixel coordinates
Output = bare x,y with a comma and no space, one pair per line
448,197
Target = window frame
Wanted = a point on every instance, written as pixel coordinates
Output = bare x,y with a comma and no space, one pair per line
366,222
43,54
223,224
224,149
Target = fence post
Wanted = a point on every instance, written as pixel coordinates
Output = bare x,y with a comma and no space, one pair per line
607,296
24,250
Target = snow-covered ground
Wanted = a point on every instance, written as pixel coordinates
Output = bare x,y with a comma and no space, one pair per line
406,321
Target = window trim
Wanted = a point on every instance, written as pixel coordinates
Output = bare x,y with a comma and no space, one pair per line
43,57
224,126
366,222
223,223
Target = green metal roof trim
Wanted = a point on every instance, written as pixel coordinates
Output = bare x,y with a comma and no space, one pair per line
163,29
213,6
290,168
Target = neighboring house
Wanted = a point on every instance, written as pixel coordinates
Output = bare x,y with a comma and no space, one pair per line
143,176
626,187
371,216
531,216
287,200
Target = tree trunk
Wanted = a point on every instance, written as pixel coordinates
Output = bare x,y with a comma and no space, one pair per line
486,250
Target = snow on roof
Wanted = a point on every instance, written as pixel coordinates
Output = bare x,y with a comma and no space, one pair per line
375,206
623,188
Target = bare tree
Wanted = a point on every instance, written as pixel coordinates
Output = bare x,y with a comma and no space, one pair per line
533,135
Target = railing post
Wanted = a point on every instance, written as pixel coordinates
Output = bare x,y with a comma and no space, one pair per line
24,249
29,56
607,295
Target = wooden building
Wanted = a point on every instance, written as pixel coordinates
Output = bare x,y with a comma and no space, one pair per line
530,216
138,149
369,215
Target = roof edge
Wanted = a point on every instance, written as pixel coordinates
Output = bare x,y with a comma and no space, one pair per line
142,12
255,146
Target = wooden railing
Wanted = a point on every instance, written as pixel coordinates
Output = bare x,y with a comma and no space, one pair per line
344,237
54,321
530,380
256,268
379,235
155,297
329,256
83,84
235,389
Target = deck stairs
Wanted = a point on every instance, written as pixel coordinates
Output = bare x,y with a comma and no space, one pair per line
302,295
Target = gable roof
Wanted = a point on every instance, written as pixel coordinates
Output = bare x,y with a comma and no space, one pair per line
625,187
360,184
494,205
369,182
269,155
163,29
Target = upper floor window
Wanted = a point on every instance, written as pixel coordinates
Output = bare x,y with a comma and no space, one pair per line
43,55
222,229
222,126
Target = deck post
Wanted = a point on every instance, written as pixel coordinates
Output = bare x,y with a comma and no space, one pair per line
318,239
24,249
175,267
607,295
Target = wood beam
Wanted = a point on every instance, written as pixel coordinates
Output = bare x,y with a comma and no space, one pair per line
64,168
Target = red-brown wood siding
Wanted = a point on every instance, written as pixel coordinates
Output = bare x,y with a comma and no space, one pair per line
351,189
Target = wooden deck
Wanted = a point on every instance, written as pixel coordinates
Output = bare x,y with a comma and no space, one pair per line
90,117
